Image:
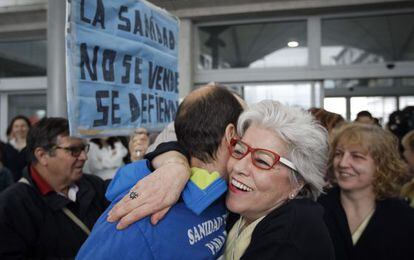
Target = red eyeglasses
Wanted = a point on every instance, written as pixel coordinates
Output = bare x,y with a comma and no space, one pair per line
261,158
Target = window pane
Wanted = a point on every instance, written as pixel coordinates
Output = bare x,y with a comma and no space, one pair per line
379,107
32,106
298,94
22,58
406,101
335,105
258,45
374,39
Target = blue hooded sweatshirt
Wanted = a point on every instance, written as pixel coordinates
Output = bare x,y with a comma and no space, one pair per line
194,228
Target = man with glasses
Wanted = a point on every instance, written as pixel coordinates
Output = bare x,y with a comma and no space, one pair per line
49,212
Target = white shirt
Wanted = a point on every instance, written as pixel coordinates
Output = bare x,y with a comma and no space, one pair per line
105,162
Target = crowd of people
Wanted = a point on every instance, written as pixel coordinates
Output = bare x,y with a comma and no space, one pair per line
105,155
264,181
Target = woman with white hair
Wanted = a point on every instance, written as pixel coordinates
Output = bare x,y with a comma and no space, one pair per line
276,173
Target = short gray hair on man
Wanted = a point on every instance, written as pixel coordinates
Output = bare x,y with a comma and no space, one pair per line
306,140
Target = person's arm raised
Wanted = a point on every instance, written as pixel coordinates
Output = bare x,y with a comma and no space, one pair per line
156,193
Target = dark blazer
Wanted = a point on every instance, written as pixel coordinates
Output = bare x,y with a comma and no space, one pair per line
6,178
293,231
2,148
387,236
33,226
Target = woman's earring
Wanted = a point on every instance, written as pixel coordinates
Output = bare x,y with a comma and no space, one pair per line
292,196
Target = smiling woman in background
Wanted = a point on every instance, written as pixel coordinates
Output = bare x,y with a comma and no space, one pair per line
15,152
276,172
365,218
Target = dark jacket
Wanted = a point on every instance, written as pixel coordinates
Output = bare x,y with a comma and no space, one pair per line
6,178
15,160
2,148
293,231
34,226
388,234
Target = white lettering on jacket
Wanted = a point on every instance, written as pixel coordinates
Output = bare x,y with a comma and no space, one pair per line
198,232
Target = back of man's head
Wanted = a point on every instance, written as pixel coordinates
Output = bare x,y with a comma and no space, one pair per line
202,119
44,134
364,113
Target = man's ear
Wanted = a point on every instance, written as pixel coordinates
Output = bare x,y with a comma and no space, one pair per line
41,155
230,132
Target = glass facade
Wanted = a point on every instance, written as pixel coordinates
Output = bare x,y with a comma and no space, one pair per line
297,94
347,40
336,105
256,45
23,58
379,107
406,101
368,39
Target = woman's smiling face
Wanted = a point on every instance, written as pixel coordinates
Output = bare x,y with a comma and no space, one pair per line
20,129
254,192
353,166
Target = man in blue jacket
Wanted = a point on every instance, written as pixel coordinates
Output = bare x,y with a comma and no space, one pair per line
194,228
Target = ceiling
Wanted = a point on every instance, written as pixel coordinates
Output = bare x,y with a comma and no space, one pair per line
173,5
202,9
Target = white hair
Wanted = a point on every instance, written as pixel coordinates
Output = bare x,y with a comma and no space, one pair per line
306,140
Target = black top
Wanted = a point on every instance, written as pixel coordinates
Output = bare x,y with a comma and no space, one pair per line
293,231
33,226
2,148
6,178
387,236
15,160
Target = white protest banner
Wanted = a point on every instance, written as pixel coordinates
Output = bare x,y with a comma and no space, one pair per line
122,67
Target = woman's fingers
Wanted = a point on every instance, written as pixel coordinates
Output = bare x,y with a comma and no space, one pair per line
152,194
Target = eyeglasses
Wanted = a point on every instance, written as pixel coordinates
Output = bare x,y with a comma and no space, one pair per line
75,151
261,158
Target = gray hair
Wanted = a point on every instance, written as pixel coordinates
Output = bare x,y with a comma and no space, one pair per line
307,143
